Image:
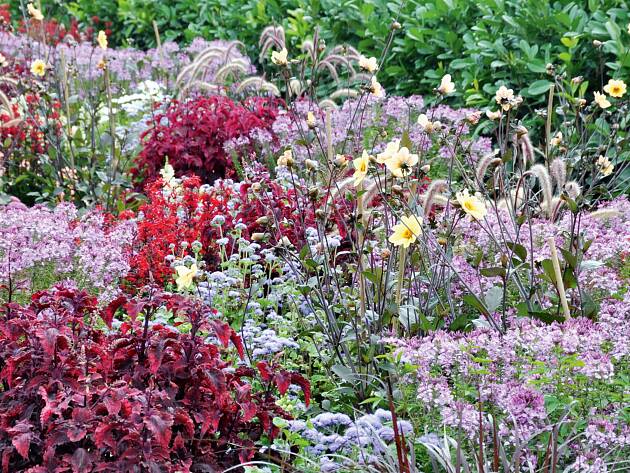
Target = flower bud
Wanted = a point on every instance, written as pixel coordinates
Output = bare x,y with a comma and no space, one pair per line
341,161
396,189
597,43
311,165
259,236
320,214
396,26
426,168
313,193
262,220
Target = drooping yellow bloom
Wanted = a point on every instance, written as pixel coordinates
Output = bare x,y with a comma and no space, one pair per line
407,231
493,115
101,39
601,100
361,166
446,85
286,159
390,150
279,58
402,163
310,120
615,88
185,276
35,13
605,166
471,204
556,140
427,125
38,68
370,65
376,88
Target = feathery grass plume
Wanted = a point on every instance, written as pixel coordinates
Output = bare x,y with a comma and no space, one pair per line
433,195
605,214
558,170
5,104
573,189
524,146
257,83
328,104
272,36
343,94
541,173
238,66
556,204
207,86
484,163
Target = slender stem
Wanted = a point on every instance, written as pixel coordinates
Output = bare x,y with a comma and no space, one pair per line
559,282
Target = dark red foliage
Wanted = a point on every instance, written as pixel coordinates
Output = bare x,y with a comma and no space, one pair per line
145,397
192,135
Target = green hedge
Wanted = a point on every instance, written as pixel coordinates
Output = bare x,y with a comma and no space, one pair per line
482,43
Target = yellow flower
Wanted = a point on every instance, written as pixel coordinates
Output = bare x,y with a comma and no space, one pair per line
390,150
38,68
185,276
361,166
605,166
471,204
101,39
504,97
615,88
376,88
279,58
407,231
556,140
310,120
493,115
402,163
601,100
370,65
427,125
446,85
34,12
286,159
3,60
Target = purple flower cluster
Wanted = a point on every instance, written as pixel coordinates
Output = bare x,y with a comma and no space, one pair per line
86,248
127,65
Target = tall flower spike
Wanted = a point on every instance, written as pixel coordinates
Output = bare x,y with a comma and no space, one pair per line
541,173
433,192
573,189
524,145
558,169
483,165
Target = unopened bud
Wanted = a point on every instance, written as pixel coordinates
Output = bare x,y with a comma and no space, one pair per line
597,43
385,253
396,25
341,161
396,189
262,220
442,241
258,236
426,168
504,261
311,165
320,214
313,193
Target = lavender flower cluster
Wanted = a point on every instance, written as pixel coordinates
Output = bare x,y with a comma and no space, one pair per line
86,248
127,65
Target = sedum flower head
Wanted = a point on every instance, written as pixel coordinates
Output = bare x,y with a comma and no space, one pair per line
615,88
361,166
407,231
471,204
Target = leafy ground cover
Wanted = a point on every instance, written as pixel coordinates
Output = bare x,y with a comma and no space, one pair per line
216,263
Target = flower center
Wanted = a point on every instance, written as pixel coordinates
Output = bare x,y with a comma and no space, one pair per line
407,234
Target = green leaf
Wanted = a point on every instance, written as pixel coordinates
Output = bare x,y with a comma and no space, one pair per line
539,87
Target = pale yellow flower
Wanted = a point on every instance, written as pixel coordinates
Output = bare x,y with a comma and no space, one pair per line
3,60
279,58
446,85
605,166
35,13
167,173
504,97
101,39
402,163
427,125
361,166
493,115
185,276
471,204
310,120
407,231
615,88
286,159
376,88
370,65
38,68
390,150
601,100
556,140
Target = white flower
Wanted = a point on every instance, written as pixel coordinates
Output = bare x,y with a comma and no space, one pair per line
370,65
427,125
446,85
167,173
376,88
279,58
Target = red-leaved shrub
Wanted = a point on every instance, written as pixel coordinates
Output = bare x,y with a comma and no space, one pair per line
144,397
192,134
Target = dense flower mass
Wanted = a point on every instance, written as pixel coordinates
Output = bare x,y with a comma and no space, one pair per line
203,269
